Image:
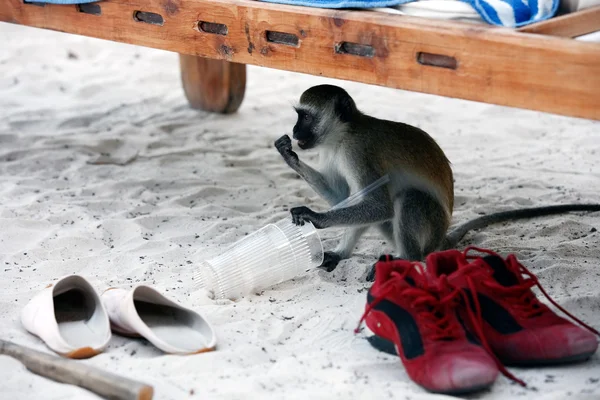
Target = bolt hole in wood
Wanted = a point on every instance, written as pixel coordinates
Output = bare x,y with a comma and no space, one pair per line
355,49
34,3
148,18
90,8
213,28
437,60
288,39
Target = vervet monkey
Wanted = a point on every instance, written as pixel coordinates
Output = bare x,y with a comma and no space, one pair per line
413,210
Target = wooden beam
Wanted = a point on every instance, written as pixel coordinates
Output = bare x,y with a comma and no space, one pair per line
569,25
212,85
481,63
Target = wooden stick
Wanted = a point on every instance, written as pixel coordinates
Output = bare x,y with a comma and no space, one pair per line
569,25
73,372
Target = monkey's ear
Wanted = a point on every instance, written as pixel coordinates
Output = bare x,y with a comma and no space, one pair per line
344,108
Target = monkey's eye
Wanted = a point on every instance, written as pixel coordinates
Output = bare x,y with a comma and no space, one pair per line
307,117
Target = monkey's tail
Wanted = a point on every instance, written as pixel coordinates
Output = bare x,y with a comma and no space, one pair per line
456,235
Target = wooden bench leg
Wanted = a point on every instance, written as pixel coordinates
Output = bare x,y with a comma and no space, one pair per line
213,85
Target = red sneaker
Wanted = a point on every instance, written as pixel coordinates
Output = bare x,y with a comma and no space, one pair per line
519,329
405,312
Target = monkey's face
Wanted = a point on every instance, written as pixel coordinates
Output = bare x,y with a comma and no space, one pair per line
305,129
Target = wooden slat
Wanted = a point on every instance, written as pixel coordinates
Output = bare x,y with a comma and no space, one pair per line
569,25
481,63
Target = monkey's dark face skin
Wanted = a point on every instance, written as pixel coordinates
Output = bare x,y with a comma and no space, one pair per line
304,130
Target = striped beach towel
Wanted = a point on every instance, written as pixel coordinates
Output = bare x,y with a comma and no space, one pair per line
508,13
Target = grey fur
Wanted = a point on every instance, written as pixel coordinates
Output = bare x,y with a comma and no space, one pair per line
331,188
417,213
411,211
349,240
347,166
456,235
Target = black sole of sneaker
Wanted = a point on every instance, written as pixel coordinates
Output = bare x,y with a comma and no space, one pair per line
382,344
389,347
543,363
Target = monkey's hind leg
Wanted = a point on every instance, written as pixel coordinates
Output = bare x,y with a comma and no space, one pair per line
387,230
344,249
418,226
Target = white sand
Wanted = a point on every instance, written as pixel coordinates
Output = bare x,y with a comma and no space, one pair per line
192,182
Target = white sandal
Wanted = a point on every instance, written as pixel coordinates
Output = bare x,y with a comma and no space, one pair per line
143,311
69,317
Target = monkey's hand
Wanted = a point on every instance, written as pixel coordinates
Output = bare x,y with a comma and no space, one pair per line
300,215
284,146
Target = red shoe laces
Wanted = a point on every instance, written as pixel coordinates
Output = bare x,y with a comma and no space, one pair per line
520,296
434,313
475,315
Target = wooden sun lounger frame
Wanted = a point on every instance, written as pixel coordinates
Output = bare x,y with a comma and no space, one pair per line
539,67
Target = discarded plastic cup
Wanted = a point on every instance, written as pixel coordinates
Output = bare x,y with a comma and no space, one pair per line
273,254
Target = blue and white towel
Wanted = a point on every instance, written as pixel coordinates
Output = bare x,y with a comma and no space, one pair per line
509,13
63,1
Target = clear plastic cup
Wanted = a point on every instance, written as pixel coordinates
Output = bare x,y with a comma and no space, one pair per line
274,254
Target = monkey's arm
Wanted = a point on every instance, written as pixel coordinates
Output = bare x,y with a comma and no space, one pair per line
373,209
314,178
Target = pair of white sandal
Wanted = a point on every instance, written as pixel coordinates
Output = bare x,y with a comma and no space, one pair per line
75,322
